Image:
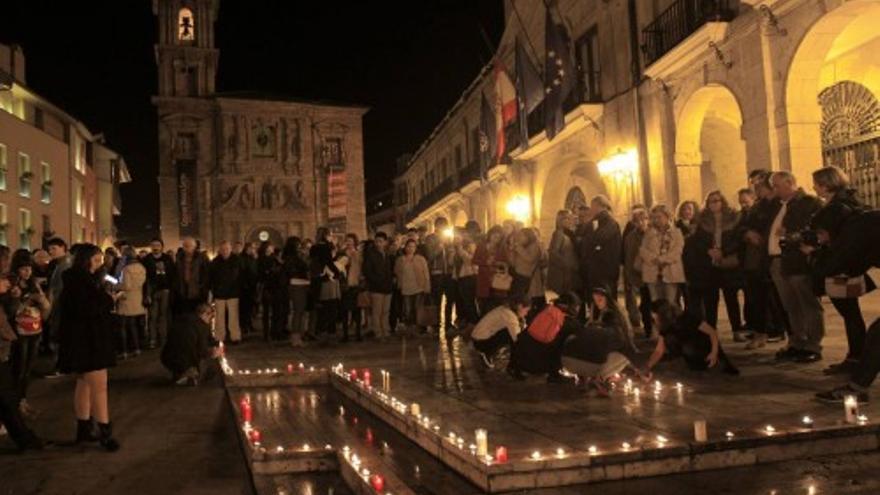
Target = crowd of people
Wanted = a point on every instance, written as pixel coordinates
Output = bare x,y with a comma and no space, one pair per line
552,311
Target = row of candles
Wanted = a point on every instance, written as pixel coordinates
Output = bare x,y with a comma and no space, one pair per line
480,447
375,480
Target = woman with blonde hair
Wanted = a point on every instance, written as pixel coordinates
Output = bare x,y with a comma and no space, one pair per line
563,266
660,256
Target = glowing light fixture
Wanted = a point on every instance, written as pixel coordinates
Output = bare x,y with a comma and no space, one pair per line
519,208
621,164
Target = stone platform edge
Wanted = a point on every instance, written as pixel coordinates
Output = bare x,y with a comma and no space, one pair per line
582,467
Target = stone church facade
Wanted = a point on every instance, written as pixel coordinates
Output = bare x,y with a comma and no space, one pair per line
246,166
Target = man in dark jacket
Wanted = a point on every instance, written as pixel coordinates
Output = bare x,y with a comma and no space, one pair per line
190,277
790,269
160,268
378,270
600,248
189,342
225,277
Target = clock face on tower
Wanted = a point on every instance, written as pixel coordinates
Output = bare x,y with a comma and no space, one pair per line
263,139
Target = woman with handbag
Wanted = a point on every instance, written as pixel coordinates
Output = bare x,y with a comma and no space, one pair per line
493,279
414,281
832,185
711,262
26,307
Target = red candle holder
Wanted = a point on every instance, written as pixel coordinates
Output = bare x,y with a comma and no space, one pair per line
246,411
289,368
353,375
501,455
367,378
256,436
377,481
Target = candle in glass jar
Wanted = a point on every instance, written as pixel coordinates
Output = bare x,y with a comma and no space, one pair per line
851,408
700,430
415,409
256,436
354,375
378,482
289,368
482,442
501,455
246,411
367,378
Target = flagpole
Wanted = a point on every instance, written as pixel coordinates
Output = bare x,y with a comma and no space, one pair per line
525,32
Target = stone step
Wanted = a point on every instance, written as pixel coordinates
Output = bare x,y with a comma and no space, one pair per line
306,429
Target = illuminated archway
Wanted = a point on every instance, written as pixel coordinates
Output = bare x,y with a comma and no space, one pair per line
840,46
710,153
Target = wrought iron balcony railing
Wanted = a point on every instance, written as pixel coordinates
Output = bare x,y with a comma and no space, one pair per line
680,20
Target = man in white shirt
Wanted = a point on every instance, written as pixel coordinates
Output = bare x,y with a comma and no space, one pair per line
790,271
499,328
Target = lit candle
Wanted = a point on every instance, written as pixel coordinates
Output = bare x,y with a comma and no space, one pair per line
415,409
661,440
501,455
301,366
247,414
306,447
256,436
354,374
367,378
536,455
862,419
769,429
851,408
460,442
807,421
473,449
679,386
377,482
729,435
279,449
592,450
560,452
289,368
700,434
482,441
626,445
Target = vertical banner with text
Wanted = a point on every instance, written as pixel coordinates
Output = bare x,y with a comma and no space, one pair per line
186,197
337,193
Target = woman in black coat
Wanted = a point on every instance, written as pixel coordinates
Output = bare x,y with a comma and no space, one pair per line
842,204
711,264
86,343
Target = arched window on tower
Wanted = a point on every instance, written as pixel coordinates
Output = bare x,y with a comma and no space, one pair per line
186,29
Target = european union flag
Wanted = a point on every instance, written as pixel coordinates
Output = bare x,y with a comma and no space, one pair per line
558,75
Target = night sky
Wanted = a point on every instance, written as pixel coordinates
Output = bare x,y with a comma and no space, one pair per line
408,61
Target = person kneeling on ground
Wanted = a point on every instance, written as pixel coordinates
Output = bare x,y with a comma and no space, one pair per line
10,414
686,336
604,347
538,350
189,341
499,328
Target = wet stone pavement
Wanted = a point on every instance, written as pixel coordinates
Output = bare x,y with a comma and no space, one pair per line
452,387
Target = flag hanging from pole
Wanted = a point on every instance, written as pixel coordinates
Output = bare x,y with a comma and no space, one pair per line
558,75
488,137
529,91
505,107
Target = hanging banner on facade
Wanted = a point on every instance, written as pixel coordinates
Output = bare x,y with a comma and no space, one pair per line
337,194
186,196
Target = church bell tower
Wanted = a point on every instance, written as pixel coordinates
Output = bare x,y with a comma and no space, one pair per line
187,67
185,52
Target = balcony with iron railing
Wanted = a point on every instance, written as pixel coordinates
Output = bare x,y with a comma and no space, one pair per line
681,20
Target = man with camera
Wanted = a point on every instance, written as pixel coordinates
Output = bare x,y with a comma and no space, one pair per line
790,269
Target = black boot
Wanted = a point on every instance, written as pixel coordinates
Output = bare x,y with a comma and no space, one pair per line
85,431
105,436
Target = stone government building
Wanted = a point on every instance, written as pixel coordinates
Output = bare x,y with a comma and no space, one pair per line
674,98
246,165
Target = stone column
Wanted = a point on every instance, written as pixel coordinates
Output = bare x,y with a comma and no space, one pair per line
690,185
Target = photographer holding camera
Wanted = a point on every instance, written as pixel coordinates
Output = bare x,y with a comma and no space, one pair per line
832,185
790,270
